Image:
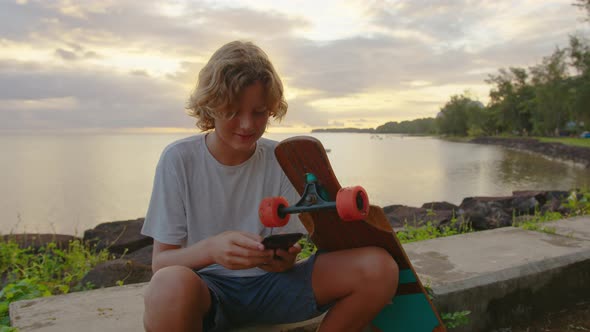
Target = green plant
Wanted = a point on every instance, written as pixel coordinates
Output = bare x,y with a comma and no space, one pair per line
59,268
22,290
456,319
429,231
535,222
49,271
574,141
536,227
307,248
452,319
578,203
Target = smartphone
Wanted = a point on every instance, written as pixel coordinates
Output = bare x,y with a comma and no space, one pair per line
281,241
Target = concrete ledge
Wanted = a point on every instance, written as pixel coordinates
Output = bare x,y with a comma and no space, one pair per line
502,276
576,227
506,275
108,309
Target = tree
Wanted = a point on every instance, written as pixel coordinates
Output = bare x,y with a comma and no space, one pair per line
453,118
584,5
511,100
579,53
552,93
418,126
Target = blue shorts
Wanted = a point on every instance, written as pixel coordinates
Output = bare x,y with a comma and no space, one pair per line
273,298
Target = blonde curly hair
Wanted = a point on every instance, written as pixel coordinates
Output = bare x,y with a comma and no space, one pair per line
231,68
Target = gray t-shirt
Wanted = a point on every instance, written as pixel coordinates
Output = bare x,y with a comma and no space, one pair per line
195,197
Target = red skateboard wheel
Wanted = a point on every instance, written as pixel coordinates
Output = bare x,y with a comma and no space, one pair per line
268,212
352,203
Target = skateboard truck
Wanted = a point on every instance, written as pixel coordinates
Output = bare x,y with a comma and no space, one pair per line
314,198
351,204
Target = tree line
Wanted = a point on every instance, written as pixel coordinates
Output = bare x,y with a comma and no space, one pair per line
550,98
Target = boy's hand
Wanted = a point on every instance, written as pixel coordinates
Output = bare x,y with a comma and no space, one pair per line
283,260
239,250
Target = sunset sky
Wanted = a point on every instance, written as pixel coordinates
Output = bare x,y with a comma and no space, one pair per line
121,65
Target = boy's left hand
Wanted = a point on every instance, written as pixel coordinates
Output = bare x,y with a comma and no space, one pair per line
283,260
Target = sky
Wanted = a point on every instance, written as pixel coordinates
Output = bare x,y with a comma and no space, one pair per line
129,66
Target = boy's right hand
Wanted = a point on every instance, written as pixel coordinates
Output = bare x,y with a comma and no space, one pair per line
239,250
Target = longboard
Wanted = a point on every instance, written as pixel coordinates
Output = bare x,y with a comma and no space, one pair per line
411,308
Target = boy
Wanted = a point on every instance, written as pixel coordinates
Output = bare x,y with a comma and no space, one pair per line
211,271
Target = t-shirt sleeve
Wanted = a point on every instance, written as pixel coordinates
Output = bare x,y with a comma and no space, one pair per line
165,220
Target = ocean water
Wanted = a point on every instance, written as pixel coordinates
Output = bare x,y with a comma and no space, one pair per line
68,183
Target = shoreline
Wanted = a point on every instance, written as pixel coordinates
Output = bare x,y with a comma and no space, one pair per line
554,150
560,151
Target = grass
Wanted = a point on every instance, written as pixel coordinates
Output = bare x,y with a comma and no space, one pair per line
535,222
578,203
51,271
574,141
429,231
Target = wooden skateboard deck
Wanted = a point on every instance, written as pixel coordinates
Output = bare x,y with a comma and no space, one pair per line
411,308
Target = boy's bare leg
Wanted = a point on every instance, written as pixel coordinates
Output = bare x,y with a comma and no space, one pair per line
361,281
176,300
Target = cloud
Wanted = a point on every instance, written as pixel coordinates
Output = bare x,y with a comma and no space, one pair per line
119,64
66,55
93,99
76,53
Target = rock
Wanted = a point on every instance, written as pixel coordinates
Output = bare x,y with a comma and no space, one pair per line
400,215
118,236
440,206
450,218
109,273
549,200
524,205
486,212
542,196
142,256
36,241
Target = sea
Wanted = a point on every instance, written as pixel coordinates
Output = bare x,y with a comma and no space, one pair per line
67,183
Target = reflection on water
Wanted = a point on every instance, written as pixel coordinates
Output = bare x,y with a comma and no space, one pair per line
68,183
528,169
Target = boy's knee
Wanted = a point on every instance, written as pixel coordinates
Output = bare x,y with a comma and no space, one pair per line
379,266
176,299
174,284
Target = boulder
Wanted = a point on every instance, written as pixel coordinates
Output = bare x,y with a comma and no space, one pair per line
440,206
36,241
400,215
549,200
142,256
109,273
486,212
118,236
450,218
